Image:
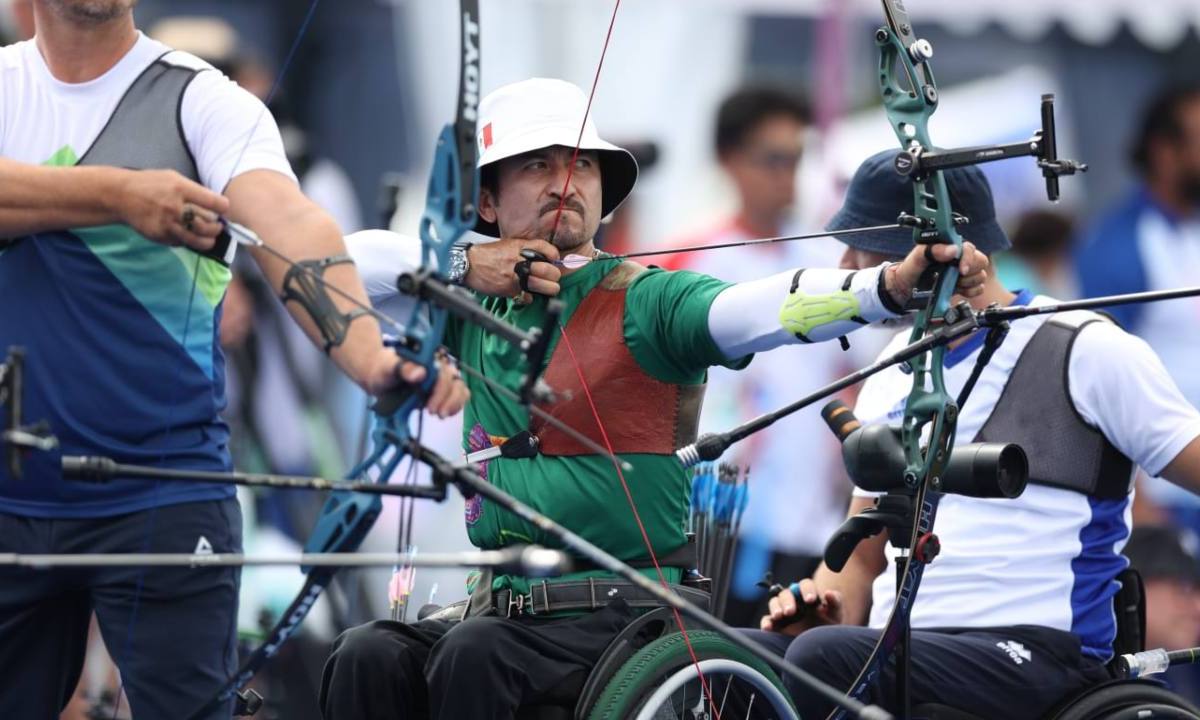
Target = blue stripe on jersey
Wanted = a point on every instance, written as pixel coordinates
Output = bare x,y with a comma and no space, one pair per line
1094,568
975,341
110,379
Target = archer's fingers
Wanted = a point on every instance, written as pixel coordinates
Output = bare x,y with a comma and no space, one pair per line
970,290
544,271
192,239
542,248
972,261
943,252
774,611
442,390
206,225
808,591
541,286
206,200
787,602
543,278
411,373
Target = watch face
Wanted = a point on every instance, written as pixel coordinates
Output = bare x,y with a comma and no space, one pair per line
458,263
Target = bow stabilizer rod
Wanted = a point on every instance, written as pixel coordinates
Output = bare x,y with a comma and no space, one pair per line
91,468
526,560
711,446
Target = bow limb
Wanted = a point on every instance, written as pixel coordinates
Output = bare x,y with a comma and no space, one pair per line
909,107
347,517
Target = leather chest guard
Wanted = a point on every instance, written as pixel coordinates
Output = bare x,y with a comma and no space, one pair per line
641,414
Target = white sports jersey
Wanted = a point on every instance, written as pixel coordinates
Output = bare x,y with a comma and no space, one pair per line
1048,557
44,120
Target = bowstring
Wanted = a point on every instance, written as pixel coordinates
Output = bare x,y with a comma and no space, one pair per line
587,392
147,539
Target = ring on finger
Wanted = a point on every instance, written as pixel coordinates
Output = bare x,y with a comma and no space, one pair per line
188,217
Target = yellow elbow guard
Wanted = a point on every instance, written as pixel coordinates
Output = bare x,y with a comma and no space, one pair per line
801,314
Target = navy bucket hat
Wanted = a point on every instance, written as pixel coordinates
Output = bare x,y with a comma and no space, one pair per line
877,194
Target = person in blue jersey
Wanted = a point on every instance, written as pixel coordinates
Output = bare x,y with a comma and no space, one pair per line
117,155
1150,240
1016,612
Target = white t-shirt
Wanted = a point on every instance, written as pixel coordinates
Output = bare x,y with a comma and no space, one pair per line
227,129
1048,557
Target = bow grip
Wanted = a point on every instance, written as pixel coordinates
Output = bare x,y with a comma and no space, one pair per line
405,398
344,522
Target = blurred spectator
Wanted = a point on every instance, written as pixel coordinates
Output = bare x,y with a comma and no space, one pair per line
795,496
1040,259
21,20
1151,241
1167,561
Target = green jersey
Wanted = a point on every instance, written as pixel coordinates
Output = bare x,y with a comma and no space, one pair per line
666,331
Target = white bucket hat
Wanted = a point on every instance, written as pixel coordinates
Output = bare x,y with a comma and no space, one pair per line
542,112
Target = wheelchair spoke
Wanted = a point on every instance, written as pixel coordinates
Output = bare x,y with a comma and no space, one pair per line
725,696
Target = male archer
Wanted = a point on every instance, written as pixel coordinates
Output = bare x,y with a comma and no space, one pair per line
631,360
1016,612
117,155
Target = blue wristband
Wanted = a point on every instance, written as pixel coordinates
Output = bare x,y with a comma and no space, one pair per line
795,588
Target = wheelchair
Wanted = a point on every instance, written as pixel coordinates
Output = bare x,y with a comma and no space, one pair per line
646,673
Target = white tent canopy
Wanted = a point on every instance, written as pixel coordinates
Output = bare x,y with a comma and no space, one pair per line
1159,24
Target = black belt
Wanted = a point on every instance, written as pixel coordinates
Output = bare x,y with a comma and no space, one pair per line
545,597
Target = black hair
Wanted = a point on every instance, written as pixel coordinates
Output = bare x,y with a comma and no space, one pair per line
1043,234
489,178
1161,121
741,113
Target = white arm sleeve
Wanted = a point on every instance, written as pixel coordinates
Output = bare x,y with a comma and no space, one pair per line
381,255
764,314
1119,385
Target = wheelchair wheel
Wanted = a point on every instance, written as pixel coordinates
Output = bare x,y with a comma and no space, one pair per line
1127,700
660,682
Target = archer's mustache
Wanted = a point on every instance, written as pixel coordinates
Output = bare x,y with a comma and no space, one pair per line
568,205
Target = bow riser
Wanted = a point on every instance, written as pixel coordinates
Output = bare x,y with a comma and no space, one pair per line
908,111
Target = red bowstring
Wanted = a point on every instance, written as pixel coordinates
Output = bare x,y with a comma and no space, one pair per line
583,125
587,392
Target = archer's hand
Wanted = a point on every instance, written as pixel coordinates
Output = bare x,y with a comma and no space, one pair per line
902,277
153,203
449,393
790,616
492,263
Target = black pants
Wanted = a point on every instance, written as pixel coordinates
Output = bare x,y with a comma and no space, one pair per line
171,631
484,667
1001,673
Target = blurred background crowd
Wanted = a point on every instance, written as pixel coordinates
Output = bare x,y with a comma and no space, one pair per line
748,117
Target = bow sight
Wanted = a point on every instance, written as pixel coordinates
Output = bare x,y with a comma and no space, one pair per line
920,161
